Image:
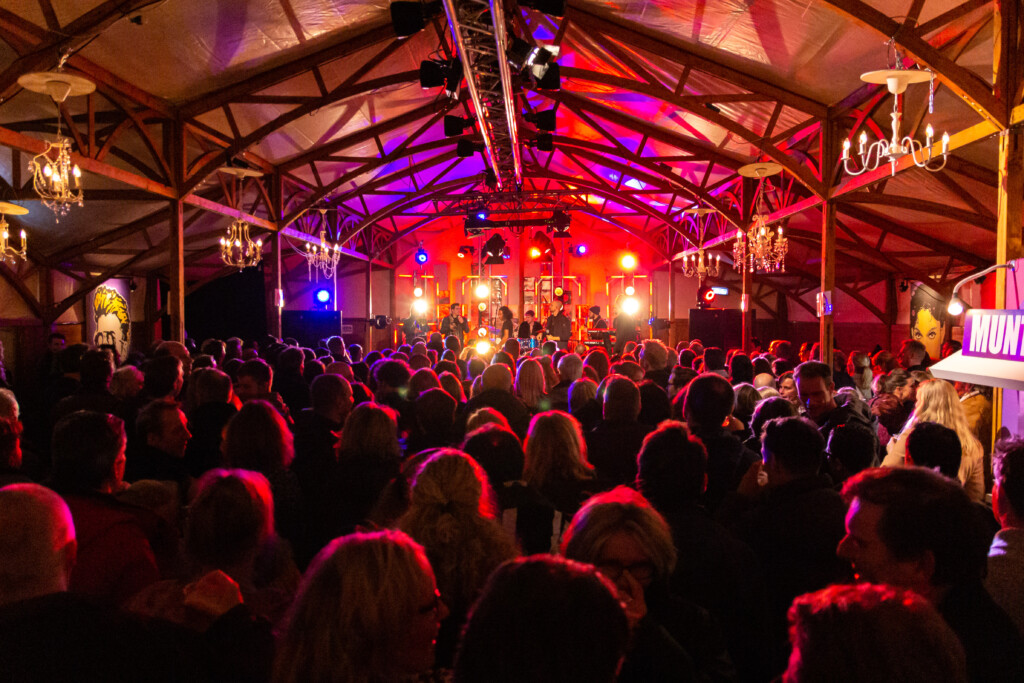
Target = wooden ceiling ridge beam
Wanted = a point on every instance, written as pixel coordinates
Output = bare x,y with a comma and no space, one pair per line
916,204
368,133
799,170
332,47
645,39
967,85
18,285
47,53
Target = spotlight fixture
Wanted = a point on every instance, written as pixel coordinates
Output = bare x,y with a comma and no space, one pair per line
409,18
483,347
481,307
628,262
481,332
630,305
421,255
544,142
705,296
435,73
551,80
467,148
542,246
956,305
417,292
538,60
554,8
490,179
560,224
466,250
322,299
474,227
482,291
455,125
579,250
544,120
482,213
494,249
420,306
630,290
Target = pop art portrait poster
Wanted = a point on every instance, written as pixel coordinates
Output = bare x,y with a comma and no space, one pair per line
108,319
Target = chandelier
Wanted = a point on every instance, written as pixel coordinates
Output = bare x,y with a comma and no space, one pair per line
871,156
760,248
7,250
55,178
697,264
322,259
237,249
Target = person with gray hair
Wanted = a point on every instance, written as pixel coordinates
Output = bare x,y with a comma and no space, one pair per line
570,369
615,442
37,543
654,361
496,393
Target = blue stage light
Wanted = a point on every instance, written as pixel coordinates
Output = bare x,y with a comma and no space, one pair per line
421,256
323,295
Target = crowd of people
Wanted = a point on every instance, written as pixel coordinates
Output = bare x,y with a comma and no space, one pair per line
261,511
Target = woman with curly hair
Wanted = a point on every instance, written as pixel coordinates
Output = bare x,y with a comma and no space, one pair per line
452,514
937,401
367,610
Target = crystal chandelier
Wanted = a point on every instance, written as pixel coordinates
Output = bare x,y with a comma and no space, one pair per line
237,249
696,264
322,259
759,248
897,78
55,178
7,250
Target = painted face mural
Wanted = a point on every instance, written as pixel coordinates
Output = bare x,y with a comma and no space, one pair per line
113,324
928,319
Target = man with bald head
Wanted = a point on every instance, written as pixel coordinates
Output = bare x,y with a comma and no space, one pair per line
37,543
612,446
497,393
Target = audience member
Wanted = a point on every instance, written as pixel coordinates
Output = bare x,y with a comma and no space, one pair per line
614,443
497,394
1006,555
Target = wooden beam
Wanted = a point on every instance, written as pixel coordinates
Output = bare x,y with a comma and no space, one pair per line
18,285
924,206
967,86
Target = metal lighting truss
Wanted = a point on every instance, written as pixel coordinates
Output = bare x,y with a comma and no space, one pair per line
482,47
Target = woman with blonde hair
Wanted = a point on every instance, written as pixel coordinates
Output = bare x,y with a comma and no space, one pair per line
937,401
367,610
630,544
452,514
529,385
558,478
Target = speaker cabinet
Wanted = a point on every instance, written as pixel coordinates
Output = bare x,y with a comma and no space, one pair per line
721,327
309,327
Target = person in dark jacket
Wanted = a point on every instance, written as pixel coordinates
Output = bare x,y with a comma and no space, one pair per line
613,445
709,402
497,394
794,522
827,408
212,408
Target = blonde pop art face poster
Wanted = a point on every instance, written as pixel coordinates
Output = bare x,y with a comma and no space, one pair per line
928,319
111,319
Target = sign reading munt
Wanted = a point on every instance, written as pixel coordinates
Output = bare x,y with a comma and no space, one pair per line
994,334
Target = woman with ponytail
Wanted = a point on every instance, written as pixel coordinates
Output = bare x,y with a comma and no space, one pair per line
452,514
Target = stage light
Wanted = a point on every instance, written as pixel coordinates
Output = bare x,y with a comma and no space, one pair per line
554,8
542,247
482,291
559,223
481,332
490,179
956,307
455,125
482,306
579,250
628,262
322,299
551,80
559,291
630,305
483,347
409,18
630,290
506,253
417,292
534,252
466,250
467,148
421,256
544,120
705,297
494,249
420,306
437,72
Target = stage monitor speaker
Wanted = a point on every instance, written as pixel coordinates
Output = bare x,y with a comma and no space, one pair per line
721,327
309,327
